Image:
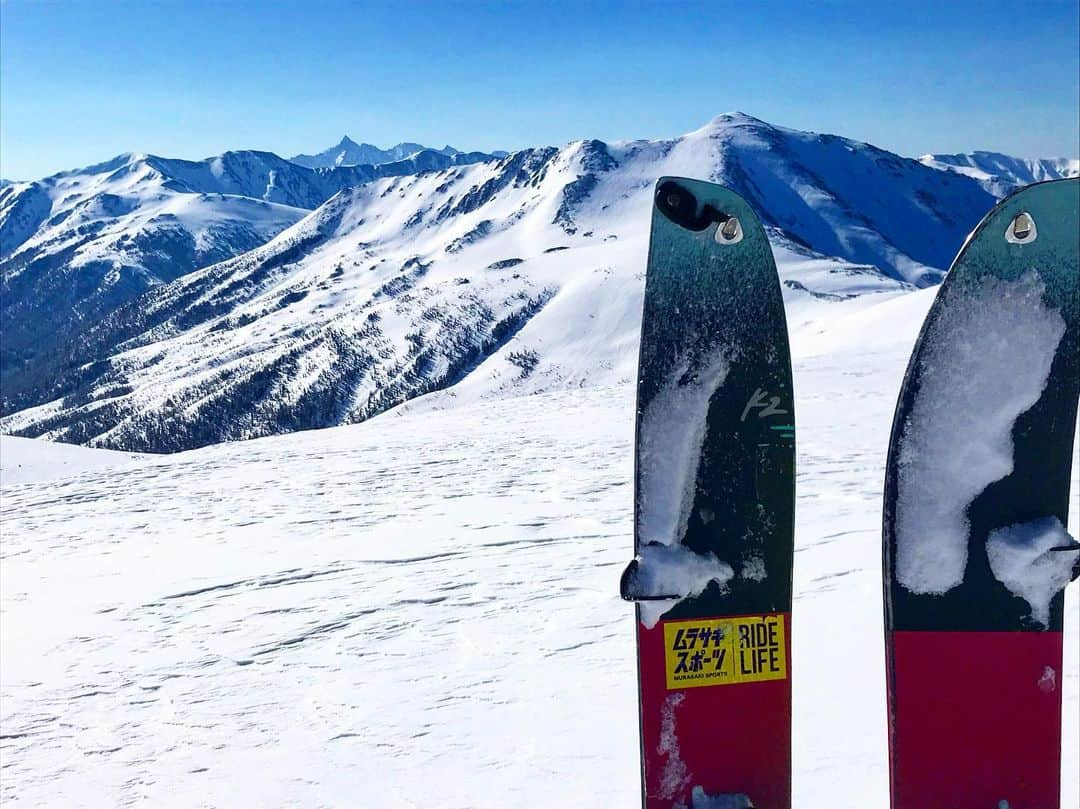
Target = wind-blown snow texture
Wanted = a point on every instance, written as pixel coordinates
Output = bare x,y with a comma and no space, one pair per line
26,460
467,278
423,609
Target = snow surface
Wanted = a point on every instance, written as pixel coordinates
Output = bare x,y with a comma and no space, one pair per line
423,609
28,460
1021,558
995,343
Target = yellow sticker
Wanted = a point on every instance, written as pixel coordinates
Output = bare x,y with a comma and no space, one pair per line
722,651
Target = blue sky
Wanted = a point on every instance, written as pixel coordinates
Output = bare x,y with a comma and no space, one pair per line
82,81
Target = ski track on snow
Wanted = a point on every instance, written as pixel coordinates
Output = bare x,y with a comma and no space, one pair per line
421,610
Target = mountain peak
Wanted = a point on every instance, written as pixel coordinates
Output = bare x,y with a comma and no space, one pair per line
731,120
737,117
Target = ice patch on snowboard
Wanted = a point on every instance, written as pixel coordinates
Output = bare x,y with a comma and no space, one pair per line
1022,557
986,359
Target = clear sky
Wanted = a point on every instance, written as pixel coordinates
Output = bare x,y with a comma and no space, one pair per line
83,81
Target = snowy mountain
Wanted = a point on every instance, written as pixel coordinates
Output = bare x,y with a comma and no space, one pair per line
76,245
515,276
350,153
1000,173
423,610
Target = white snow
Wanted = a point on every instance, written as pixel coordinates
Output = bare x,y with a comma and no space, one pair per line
1001,174
675,775
670,453
997,345
423,609
700,800
107,212
28,460
1021,558
668,461
677,571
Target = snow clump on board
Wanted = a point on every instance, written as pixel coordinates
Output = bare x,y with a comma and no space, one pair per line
1022,557
985,360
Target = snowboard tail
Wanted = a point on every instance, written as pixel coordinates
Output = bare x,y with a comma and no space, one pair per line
976,500
976,719
718,717
714,505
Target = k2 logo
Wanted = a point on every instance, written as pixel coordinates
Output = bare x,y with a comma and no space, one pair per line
767,405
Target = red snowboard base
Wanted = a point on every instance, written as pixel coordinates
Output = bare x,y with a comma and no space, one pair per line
975,719
716,709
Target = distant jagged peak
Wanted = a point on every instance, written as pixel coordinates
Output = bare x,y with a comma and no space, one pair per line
348,152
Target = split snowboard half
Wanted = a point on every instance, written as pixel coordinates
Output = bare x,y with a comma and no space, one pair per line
976,553
714,506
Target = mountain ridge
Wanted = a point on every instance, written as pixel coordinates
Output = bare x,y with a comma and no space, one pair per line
79,243
1001,173
348,152
496,278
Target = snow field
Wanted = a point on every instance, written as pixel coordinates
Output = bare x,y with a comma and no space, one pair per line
28,460
422,610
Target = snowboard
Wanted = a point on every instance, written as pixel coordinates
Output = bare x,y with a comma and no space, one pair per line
714,507
976,504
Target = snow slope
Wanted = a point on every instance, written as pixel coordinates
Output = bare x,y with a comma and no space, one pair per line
422,610
76,245
406,285
26,460
1001,174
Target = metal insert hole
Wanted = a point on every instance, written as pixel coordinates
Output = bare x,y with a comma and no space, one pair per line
729,231
1021,229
